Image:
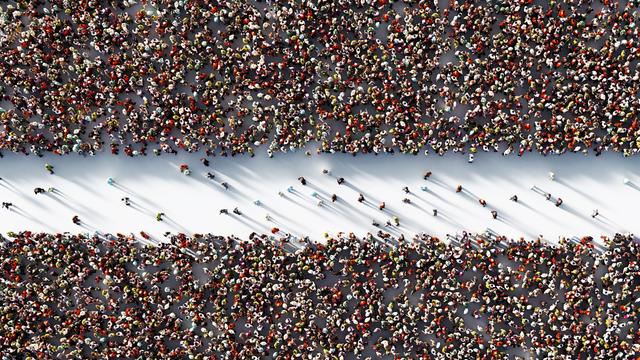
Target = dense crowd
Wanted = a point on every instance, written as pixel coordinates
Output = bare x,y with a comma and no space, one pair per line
363,76
477,296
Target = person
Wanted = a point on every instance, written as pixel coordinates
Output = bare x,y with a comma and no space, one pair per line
494,214
257,203
224,211
210,176
225,185
340,180
552,176
514,198
268,217
547,196
595,213
558,202
236,211
159,216
406,189
382,206
280,193
424,188
302,180
110,181
459,188
326,171
406,201
396,220
435,212
7,205
75,219
334,198
126,200
360,198
314,194
291,189
49,168
470,160
375,223
51,189
427,175
204,161
483,202
38,190
320,202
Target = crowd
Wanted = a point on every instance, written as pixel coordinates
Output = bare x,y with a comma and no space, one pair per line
363,76
205,296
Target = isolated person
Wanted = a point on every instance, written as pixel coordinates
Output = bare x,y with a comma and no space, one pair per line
302,180
558,202
49,168
38,190
75,219
126,201
223,211
514,198
494,214
159,216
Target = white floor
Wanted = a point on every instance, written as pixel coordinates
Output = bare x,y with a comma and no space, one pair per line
192,202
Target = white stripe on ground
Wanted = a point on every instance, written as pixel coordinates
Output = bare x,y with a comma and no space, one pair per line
192,203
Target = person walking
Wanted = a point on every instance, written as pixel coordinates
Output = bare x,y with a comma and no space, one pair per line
558,202
302,180
514,198
38,190
494,214
159,216
49,168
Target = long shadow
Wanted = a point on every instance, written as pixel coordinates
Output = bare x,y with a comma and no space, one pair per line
277,213
9,186
79,205
351,208
174,224
577,190
26,215
356,189
132,193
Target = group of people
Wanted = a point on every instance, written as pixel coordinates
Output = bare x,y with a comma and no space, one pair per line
206,296
366,76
